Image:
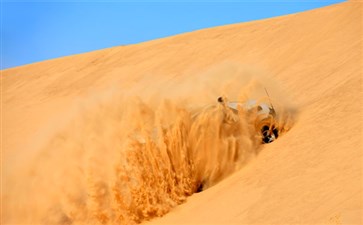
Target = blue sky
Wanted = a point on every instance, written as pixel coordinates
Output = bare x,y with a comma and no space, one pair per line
34,31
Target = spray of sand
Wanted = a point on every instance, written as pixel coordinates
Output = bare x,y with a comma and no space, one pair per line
131,154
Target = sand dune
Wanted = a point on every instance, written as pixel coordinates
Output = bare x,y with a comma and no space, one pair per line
127,134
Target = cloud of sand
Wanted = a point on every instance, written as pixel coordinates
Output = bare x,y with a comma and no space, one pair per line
130,154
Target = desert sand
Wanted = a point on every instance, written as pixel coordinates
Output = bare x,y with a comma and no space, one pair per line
128,134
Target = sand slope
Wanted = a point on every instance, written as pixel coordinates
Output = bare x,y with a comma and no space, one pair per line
310,61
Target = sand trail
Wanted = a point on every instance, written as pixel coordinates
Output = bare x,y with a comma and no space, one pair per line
128,157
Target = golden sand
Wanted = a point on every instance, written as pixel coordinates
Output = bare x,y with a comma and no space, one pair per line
127,134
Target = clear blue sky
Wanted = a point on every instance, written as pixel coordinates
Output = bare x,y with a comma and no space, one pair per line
33,31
